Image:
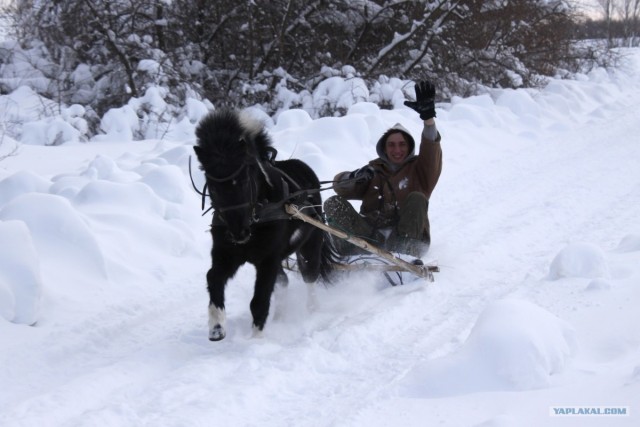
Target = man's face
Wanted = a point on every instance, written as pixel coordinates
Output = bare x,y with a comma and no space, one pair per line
396,148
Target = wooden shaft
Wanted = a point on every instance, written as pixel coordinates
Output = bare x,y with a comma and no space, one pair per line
418,270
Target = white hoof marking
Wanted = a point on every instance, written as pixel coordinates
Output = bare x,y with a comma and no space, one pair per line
217,320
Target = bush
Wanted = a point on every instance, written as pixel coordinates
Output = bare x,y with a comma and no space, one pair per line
103,53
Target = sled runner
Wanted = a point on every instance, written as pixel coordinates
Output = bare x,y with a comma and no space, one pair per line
386,261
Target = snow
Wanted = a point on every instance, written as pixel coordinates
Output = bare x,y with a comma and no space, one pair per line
579,260
103,305
504,351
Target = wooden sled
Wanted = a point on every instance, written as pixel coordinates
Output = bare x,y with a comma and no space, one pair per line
396,264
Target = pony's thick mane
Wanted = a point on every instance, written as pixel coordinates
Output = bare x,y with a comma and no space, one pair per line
220,132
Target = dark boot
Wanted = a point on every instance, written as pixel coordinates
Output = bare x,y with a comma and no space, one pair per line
342,215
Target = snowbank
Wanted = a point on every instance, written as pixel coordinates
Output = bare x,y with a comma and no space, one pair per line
579,260
514,345
20,281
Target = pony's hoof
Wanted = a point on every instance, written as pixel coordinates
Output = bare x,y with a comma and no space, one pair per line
256,332
217,333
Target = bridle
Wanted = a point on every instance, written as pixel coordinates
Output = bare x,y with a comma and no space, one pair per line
205,192
251,202
229,177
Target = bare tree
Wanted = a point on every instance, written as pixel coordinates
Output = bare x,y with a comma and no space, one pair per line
628,11
607,9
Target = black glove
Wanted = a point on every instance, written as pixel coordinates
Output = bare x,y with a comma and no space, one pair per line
363,174
425,100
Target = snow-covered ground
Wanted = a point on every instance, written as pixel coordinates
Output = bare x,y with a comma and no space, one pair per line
535,225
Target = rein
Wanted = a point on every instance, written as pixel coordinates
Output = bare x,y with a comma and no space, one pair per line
227,178
271,207
203,193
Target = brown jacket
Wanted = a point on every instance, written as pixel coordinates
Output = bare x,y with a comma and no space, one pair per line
389,187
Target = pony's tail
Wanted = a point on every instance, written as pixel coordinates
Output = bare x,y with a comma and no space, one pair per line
329,257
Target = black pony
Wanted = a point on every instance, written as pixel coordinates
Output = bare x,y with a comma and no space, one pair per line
248,191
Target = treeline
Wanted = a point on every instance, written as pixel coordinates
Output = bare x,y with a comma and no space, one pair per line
100,53
619,23
616,32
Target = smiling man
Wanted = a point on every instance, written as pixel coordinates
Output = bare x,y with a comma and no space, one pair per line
394,188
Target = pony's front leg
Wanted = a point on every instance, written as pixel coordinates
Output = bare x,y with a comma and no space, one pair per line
216,281
266,275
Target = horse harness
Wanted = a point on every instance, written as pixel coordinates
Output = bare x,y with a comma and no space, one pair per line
264,211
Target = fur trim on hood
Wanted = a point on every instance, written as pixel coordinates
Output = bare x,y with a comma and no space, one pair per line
395,128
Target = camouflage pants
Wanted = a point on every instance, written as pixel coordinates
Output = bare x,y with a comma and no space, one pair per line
410,235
